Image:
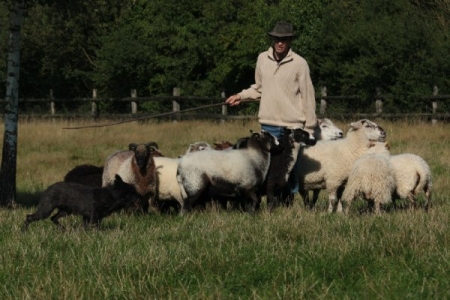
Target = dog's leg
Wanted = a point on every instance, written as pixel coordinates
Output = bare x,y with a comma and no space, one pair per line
57,216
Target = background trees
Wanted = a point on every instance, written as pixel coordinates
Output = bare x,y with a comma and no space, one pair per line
206,47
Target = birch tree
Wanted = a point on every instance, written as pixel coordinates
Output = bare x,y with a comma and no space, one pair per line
9,153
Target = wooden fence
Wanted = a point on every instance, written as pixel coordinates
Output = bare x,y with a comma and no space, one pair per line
325,101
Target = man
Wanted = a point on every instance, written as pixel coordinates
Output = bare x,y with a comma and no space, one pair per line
284,87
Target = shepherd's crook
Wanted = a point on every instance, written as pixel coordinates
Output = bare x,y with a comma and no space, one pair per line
147,117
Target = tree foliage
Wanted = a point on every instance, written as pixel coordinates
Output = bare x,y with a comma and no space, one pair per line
206,47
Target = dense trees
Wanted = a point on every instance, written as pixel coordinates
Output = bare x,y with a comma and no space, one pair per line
205,47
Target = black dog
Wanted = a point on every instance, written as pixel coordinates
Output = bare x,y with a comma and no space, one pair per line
92,203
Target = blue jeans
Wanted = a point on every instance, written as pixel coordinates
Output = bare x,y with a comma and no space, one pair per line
292,185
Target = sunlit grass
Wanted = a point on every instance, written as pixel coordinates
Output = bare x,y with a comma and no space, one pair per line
289,254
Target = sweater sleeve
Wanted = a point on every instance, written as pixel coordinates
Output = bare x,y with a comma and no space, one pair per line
308,98
254,91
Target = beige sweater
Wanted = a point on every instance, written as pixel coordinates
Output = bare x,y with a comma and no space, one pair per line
285,91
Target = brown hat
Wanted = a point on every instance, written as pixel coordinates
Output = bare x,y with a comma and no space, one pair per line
282,29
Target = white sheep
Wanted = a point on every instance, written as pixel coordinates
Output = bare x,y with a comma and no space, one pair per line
327,131
198,146
168,194
372,178
328,164
236,173
413,176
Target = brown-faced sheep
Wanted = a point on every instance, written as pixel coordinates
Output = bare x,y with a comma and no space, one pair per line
137,167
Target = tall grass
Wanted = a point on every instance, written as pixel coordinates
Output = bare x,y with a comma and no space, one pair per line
289,254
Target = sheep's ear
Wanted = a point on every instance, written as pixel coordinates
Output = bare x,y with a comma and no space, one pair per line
388,146
256,134
357,125
132,147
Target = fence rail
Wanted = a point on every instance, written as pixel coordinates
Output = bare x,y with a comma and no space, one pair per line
323,99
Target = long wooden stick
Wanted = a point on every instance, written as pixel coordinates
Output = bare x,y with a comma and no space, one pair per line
151,116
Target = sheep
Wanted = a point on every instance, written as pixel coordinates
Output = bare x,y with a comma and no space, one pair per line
168,195
372,177
412,175
328,164
239,172
137,167
326,130
281,164
198,146
223,145
167,192
85,174
92,203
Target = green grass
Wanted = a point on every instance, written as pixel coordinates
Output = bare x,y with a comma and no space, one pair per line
289,254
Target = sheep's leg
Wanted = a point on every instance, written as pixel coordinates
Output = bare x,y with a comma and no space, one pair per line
339,193
412,200
288,200
346,206
270,198
427,197
332,202
254,203
377,209
305,196
312,204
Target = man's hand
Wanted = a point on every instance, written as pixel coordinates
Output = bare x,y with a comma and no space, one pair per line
233,100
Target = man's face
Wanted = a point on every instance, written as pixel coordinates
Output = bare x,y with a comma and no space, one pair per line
281,45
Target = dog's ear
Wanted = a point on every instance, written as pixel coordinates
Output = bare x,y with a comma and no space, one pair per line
118,181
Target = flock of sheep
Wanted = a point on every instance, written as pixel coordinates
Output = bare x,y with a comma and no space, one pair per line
239,175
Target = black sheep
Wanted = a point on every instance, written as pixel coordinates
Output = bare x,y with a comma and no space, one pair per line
92,203
85,174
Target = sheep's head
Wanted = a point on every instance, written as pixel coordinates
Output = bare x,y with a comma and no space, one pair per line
143,153
263,140
379,147
241,143
373,131
199,146
326,130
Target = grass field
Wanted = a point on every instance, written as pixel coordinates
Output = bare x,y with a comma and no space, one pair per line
289,254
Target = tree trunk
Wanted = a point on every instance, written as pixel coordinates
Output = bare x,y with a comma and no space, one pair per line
9,153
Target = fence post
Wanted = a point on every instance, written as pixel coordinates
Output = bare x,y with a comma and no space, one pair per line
175,104
133,103
323,102
52,103
94,108
224,107
434,105
378,102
